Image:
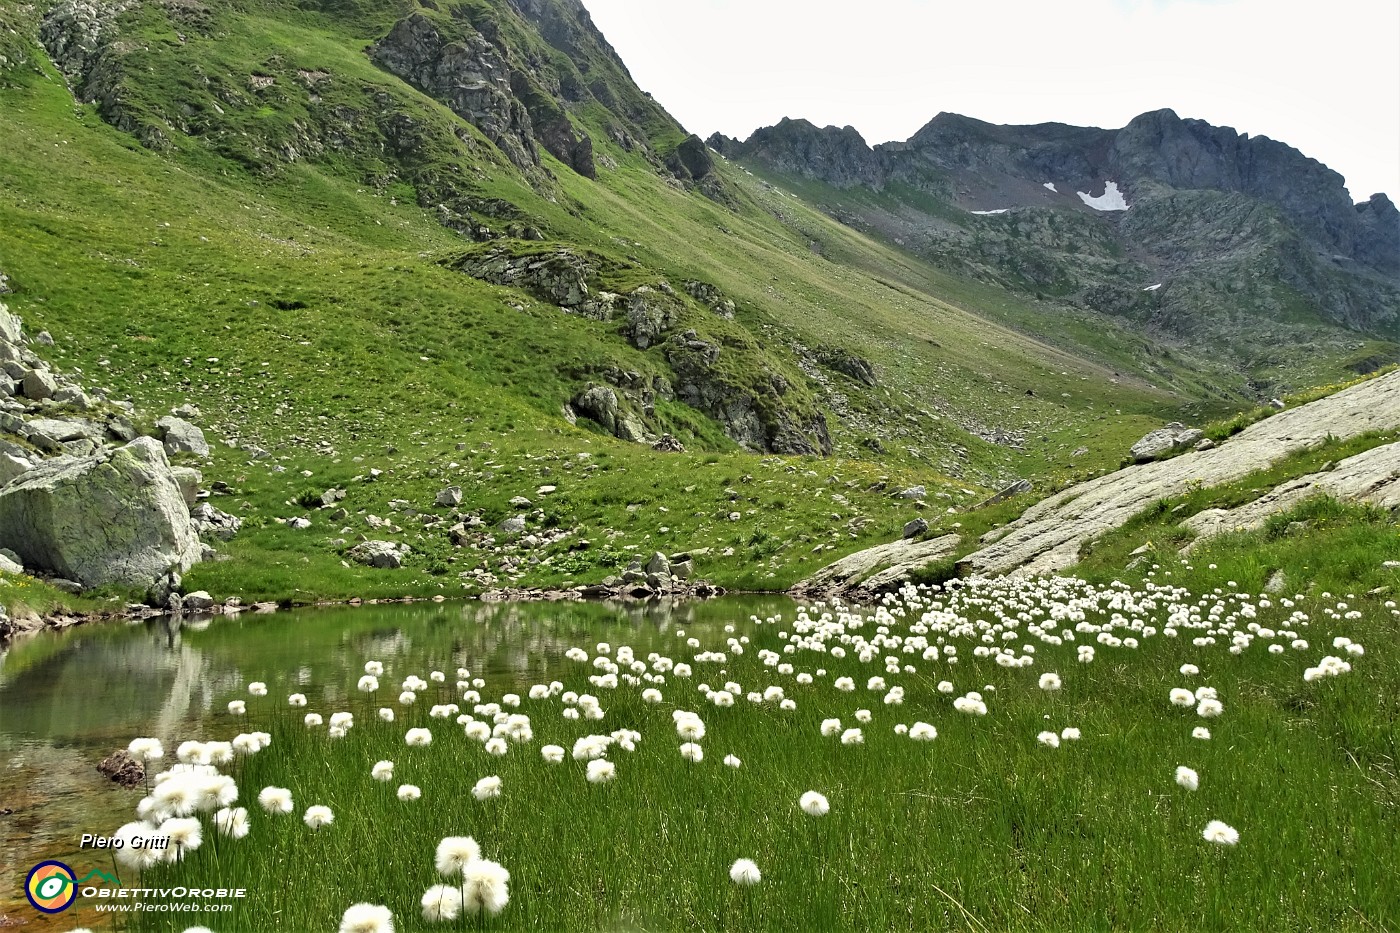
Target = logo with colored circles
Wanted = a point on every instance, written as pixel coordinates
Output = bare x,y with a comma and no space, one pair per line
51,887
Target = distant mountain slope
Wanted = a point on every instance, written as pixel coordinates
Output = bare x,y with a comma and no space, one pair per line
1189,230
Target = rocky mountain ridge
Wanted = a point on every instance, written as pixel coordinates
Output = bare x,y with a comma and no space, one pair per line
1188,230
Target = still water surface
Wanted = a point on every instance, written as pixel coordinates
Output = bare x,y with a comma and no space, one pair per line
68,700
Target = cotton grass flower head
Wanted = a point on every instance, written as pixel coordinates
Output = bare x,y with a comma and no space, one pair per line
386,714
318,816
487,788
922,732
1050,681
1182,697
1049,739
484,888
146,749
1209,708
1200,732
852,737
553,754
418,738
1187,778
732,761
382,771
312,720
368,683
408,793
831,727
133,855
276,800
1070,734
297,700
1221,833
601,770
441,903
367,918
257,688
237,707
814,804
744,872
692,752
454,853
232,822
185,835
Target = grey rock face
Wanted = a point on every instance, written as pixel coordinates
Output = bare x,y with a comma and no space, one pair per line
182,437
877,569
915,528
659,564
513,526
451,497
199,601
913,492
837,156
649,316
1048,536
384,555
559,277
115,517
1371,476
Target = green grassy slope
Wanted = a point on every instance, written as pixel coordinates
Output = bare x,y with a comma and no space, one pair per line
306,306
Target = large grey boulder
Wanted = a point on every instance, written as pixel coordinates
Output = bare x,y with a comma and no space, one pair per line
182,437
385,555
877,569
1165,440
12,465
117,516
38,384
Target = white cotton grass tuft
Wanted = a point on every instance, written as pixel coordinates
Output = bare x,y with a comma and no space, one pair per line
601,770
1200,732
692,753
367,918
1050,681
455,853
922,732
1187,778
1049,739
418,738
814,804
1209,707
1070,734
382,771
145,749
1220,833
553,754
745,872
484,888
276,800
408,793
441,903
257,688
853,737
1182,697
732,761
487,788
232,822
318,816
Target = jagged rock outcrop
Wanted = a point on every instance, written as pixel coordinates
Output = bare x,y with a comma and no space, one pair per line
559,276
115,517
837,156
467,73
1048,536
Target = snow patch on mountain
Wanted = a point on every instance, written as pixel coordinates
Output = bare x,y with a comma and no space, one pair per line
1111,200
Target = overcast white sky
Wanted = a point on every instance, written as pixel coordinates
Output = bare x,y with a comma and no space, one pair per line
1320,75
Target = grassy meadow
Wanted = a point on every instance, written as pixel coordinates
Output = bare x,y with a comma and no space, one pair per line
1048,798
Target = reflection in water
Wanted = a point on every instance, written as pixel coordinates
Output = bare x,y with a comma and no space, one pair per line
69,699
